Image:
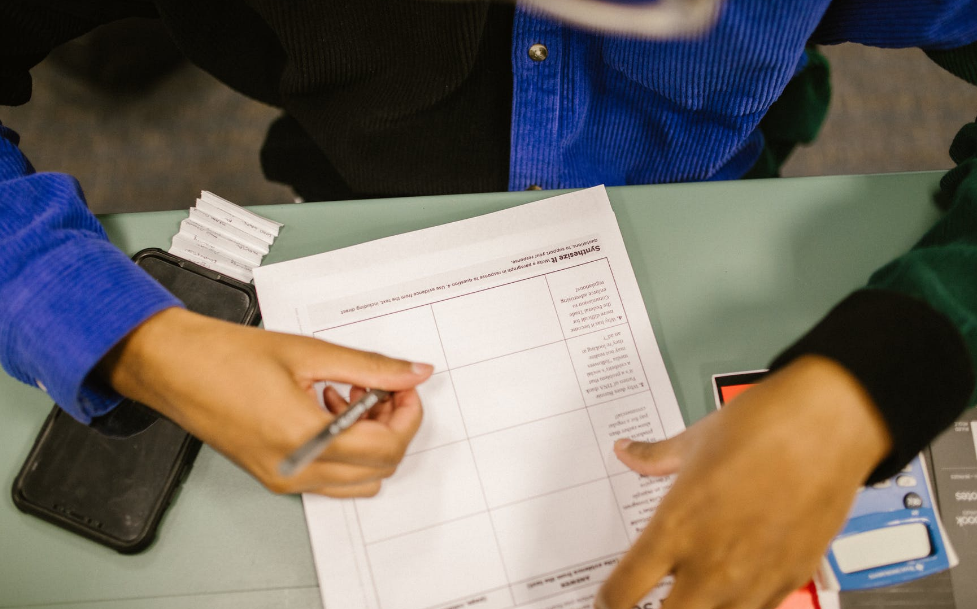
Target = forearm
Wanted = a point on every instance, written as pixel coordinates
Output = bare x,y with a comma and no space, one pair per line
66,294
142,364
910,336
908,357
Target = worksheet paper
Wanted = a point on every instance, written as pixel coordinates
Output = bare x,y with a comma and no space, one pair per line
510,494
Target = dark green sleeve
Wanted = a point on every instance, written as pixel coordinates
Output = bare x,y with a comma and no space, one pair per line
960,62
941,269
910,336
30,29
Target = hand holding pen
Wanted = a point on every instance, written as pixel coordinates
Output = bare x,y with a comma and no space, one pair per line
251,395
308,452
361,445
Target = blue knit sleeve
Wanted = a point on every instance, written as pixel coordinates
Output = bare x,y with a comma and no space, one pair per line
67,295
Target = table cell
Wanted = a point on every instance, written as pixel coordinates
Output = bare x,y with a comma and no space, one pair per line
638,498
516,389
442,422
586,298
537,458
415,498
562,529
492,599
410,571
410,335
497,322
607,364
632,417
573,585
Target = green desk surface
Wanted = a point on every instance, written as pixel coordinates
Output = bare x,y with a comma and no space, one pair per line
731,272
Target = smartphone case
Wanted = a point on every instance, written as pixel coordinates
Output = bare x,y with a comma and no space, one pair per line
112,482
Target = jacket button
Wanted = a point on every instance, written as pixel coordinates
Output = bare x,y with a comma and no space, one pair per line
538,52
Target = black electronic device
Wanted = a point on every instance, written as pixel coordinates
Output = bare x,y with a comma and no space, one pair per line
113,485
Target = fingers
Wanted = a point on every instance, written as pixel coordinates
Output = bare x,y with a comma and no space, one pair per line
324,360
334,402
406,414
374,443
645,564
320,475
368,444
381,438
356,393
776,599
686,594
356,461
652,458
382,412
367,489
763,595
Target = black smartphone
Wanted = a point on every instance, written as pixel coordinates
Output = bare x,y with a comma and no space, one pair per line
112,481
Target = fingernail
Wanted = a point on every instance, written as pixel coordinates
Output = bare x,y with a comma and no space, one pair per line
418,368
622,444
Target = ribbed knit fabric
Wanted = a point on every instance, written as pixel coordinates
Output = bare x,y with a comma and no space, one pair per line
402,98
399,97
961,61
67,294
909,357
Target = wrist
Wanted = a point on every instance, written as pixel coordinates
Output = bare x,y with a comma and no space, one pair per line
133,366
909,356
833,412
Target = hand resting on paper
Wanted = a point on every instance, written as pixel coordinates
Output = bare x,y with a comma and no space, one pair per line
761,488
250,394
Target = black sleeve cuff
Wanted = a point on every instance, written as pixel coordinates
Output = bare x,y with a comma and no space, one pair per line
910,358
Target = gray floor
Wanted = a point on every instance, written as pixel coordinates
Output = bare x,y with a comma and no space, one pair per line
893,110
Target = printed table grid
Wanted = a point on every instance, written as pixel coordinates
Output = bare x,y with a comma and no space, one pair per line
561,338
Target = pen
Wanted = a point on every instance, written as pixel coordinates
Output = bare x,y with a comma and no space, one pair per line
307,453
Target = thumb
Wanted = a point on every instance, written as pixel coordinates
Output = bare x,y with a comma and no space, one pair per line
652,458
326,361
